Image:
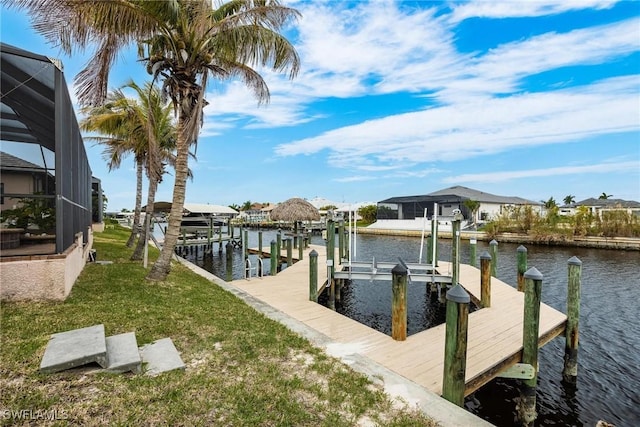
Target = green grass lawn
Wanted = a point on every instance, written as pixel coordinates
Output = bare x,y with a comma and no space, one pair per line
242,368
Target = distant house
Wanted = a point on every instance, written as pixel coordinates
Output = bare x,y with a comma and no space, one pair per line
599,206
258,212
412,208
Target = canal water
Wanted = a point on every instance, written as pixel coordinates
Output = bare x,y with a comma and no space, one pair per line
608,386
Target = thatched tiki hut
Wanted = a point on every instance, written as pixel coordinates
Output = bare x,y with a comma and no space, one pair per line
295,210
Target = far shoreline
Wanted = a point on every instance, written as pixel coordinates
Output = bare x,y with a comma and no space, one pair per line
618,243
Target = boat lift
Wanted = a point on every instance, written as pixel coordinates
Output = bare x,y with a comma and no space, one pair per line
417,272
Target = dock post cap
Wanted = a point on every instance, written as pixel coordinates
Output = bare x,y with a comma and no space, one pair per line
574,260
521,248
493,242
533,274
458,294
399,269
313,253
485,255
273,242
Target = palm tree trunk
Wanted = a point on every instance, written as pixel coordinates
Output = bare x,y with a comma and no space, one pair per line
136,216
144,238
162,266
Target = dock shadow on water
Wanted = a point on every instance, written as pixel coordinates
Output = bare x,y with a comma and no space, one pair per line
369,302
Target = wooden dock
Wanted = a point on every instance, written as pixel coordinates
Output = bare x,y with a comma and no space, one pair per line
494,334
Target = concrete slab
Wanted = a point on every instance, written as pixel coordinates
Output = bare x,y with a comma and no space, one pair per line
75,348
160,356
123,354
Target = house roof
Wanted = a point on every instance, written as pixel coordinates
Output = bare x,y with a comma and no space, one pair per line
460,193
9,162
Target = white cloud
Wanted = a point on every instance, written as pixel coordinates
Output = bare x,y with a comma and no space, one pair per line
480,127
493,177
519,9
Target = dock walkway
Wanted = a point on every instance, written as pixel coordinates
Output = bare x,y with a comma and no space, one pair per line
494,334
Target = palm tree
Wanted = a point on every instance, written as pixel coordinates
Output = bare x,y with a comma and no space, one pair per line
605,196
473,206
569,199
113,120
183,43
550,204
141,126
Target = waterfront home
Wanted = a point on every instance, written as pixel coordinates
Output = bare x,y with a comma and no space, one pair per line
600,206
408,212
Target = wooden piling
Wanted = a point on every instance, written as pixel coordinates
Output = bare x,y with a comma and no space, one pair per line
429,250
279,241
341,239
331,242
570,370
289,252
399,303
274,257
455,347
493,248
531,329
472,251
522,266
485,279
313,276
229,269
260,243
245,244
300,246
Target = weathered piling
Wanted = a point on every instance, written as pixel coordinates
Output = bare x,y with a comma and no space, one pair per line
455,347
341,239
260,243
289,252
531,328
245,244
472,251
275,257
300,246
570,370
522,266
399,303
279,241
429,250
493,248
331,242
485,279
229,265
313,276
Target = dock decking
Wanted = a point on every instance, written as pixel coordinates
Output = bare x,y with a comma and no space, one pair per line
494,334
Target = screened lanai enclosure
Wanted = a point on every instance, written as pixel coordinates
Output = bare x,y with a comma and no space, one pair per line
47,184
411,207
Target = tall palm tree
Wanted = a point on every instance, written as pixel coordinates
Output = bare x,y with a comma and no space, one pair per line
114,120
605,196
183,42
142,126
569,199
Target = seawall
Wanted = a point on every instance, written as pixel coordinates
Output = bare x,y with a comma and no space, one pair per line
621,243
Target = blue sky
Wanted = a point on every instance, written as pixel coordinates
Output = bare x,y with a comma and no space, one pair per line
534,99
